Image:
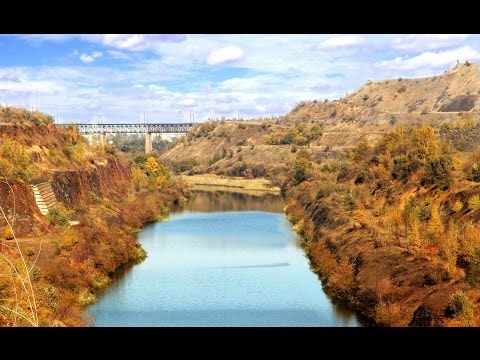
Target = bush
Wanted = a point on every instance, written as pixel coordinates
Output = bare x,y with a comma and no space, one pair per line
474,174
8,233
19,162
237,170
473,268
439,171
299,170
58,215
457,206
461,307
35,273
86,297
474,202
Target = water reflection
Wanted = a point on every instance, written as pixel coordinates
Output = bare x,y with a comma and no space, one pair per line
209,201
226,260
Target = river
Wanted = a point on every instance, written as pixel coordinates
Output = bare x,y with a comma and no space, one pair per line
225,259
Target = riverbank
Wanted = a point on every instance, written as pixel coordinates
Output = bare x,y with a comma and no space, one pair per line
257,186
71,264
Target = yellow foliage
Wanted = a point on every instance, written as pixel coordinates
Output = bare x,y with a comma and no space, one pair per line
414,234
151,165
457,206
435,226
474,202
426,143
8,233
138,178
450,245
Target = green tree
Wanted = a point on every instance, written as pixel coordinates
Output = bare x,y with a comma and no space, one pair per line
299,170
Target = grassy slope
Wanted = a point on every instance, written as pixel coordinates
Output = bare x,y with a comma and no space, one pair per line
351,241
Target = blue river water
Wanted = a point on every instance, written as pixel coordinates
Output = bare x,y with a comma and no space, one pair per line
221,261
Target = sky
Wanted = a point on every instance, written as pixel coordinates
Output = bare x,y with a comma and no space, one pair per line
169,77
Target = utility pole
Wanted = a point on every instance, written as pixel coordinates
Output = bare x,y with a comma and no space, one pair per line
36,100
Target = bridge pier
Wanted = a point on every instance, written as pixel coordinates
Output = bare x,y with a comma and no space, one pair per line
148,143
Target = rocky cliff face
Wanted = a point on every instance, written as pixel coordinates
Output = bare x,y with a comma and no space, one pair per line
28,219
73,187
50,151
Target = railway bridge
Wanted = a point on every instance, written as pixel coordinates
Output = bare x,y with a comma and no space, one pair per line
92,130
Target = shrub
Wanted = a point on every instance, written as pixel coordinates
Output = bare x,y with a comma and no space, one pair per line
388,314
86,297
35,273
474,174
439,171
19,162
299,170
474,202
473,268
457,206
8,233
237,170
58,215
461,307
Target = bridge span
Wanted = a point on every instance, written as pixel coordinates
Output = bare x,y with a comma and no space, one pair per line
89,130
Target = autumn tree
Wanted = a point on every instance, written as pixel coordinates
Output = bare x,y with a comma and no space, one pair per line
435,226
450,245
138,178
152,166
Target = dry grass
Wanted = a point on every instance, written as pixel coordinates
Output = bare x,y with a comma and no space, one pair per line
234,184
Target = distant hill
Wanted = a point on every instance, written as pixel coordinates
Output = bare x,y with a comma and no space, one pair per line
445,101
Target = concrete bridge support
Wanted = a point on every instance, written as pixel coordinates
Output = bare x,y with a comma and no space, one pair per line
148,143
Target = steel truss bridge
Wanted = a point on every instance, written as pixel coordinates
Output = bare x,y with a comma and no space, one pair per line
90,129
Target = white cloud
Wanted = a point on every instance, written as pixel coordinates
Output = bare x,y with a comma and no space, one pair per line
225,55
130,42
87,59
425,42
169,76
340,42
119,55
431,60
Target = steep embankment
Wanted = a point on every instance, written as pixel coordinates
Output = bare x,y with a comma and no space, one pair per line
389,210
43,151
93,187
394,229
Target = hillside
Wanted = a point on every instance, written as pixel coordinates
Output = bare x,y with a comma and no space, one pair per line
448,101
69,253
383,186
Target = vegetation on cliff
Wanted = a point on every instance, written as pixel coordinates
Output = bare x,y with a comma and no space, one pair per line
47,282
398,205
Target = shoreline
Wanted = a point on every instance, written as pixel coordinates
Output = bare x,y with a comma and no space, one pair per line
236,184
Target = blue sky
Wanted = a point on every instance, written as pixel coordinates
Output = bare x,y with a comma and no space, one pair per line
167,77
